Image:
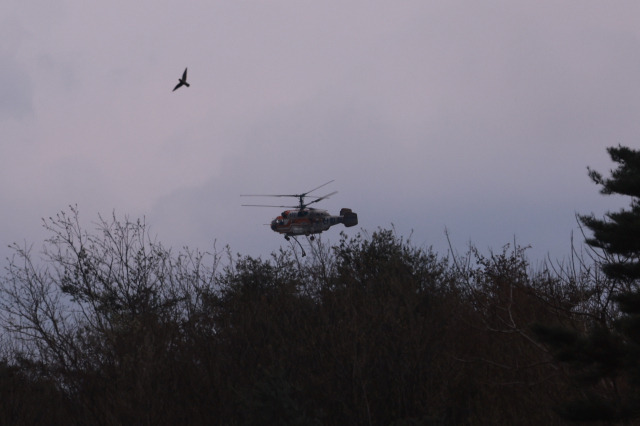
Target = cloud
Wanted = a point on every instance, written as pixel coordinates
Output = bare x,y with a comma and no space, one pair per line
16,91
480,117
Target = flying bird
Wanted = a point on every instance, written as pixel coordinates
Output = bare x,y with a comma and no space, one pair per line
182,81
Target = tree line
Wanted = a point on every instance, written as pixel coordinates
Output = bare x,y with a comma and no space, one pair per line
109,327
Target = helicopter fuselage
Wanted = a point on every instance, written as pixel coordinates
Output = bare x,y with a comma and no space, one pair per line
310,221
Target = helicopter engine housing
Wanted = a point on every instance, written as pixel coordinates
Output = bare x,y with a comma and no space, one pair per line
349,218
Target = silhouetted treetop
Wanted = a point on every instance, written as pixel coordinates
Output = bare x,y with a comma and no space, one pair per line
604,357
110,327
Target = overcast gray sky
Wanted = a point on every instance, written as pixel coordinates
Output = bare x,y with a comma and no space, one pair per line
477,116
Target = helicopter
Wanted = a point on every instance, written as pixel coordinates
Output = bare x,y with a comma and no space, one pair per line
305,220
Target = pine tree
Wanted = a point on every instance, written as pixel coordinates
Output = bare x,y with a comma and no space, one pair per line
619,234
605,360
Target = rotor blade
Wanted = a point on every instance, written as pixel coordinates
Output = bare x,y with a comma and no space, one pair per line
309,192
304,194
266,205
322,198
267,195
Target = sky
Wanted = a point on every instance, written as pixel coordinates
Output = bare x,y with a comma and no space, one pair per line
479,118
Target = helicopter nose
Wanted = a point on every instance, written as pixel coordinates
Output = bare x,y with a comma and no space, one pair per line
273,225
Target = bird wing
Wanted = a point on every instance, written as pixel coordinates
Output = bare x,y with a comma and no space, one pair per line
184,74
177,85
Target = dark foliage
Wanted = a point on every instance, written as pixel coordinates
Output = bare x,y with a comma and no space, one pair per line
604,357
618,235
114,329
